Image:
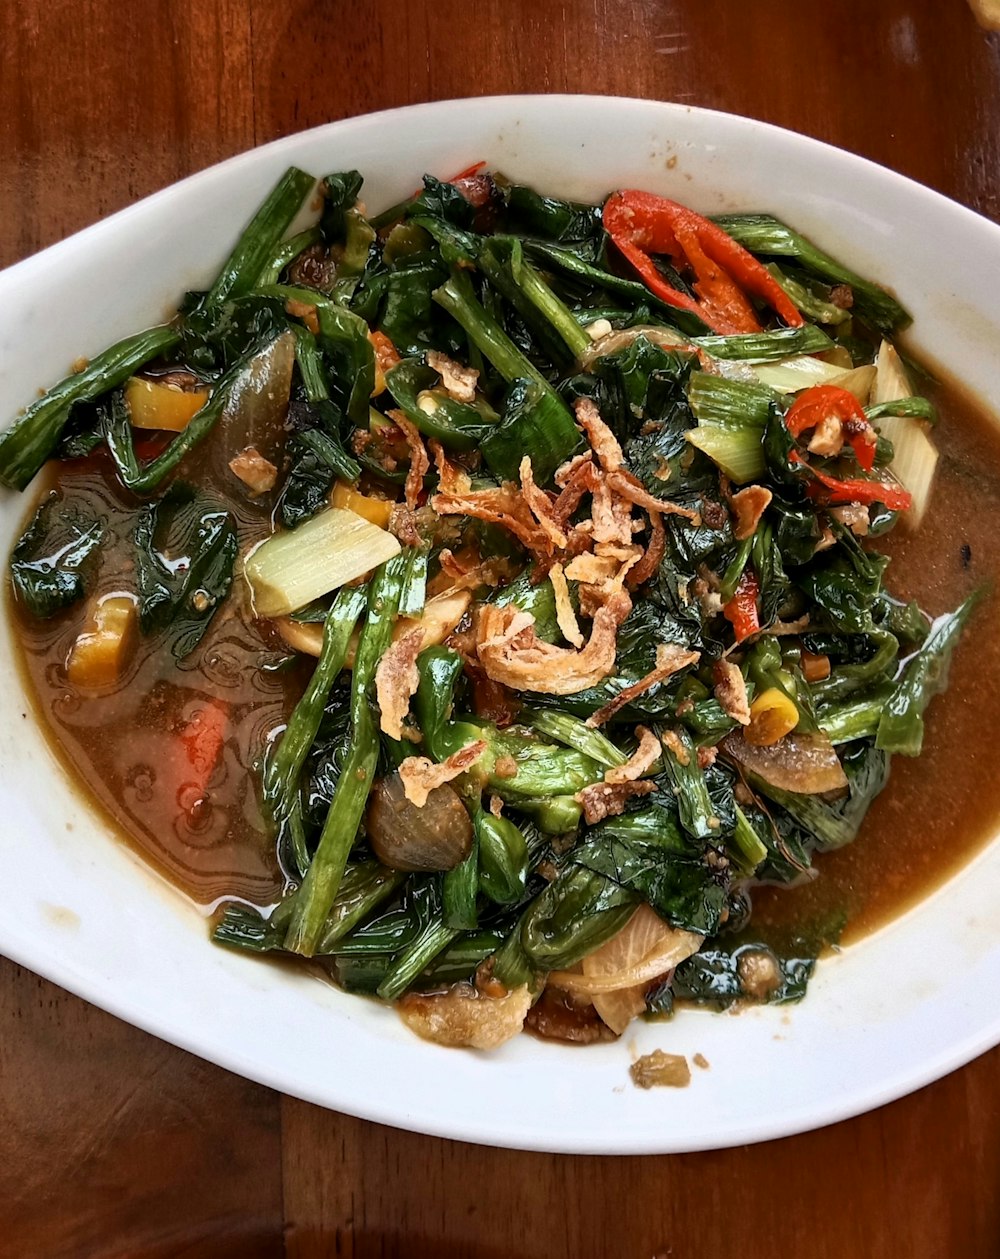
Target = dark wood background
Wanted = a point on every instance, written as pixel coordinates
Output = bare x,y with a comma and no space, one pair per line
113,1144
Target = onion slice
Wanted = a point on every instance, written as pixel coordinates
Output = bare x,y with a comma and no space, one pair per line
806,764
645,948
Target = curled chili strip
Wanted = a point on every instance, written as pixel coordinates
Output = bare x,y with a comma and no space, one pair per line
641,224
827,402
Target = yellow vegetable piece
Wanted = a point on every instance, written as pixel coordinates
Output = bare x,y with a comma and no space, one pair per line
165,407
377,510
98,658
772,716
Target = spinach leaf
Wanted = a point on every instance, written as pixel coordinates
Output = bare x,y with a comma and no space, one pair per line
340,193
440,200
182,594
646,852
53,561
845,582
549,218
901,727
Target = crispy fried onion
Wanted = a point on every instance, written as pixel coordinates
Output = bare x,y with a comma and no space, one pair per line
540,505
541,521
463,1017
569,626
451,478
748,506
420,776
396,681
419,461
602,440
642,759
670,658
511,652
601,800
504,506
459,382
731,691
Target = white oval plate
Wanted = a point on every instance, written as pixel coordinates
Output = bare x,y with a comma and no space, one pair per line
892,1013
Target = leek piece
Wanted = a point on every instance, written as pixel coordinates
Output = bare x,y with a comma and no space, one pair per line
914,461
292,568
809,304
800,372
915,456
859,381
729,403
738,452
763,347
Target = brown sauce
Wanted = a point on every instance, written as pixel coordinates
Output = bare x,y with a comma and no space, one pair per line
125,746
935,813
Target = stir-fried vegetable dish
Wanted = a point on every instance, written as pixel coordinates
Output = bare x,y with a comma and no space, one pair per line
540,543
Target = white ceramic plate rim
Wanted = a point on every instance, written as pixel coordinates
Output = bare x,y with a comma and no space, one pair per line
109,933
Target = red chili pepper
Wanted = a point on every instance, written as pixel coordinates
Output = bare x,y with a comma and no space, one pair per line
641,224
823,402
832,492
741,610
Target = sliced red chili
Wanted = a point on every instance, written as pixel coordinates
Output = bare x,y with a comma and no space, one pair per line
641,224
741,610
832,492
824,402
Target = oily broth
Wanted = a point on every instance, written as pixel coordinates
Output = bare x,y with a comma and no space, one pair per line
124,746
936,811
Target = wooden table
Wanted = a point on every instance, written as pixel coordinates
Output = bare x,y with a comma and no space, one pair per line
117,1145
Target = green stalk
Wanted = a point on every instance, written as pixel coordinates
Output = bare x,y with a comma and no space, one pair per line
502,261
363,888
458,892
693,801
762,347
331,453
458,299
574,733
751,849
281,776
809,304
34,435
287,252
259,242
434,939
310,363
569,263
854,719
915,408
732,575
846,678
322,882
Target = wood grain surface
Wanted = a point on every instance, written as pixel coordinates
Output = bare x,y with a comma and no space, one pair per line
114,1144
